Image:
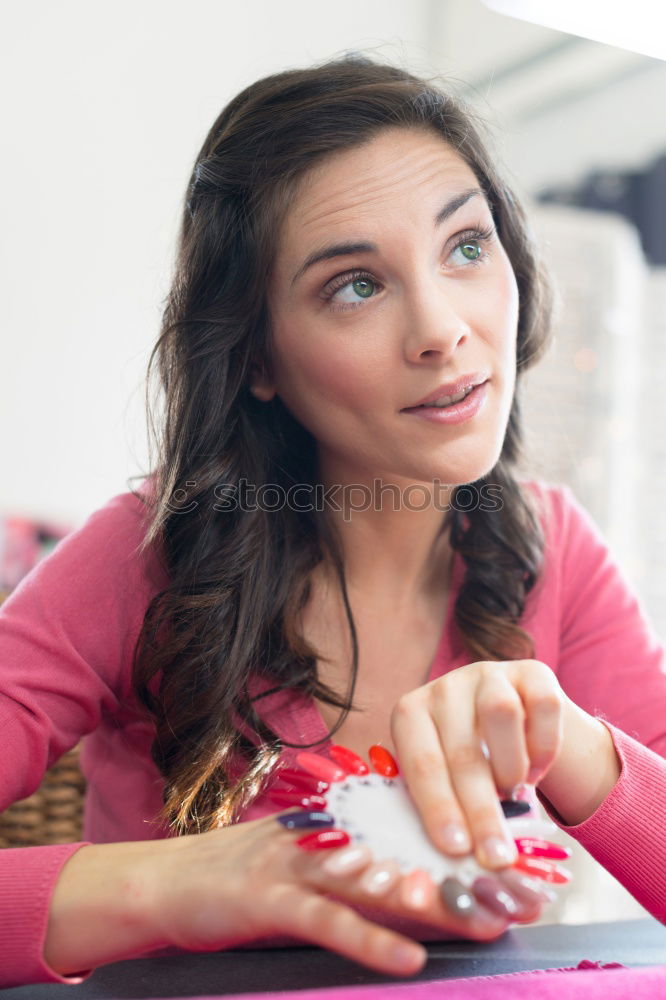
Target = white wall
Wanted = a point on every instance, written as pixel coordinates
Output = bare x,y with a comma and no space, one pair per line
104,107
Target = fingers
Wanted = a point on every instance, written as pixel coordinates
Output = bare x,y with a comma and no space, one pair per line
347,861
362,881
418,891
501,722
515,710
480,911
483,909
380,878
544,702
449,778
335,926
520,714
532,894
427,776
352,875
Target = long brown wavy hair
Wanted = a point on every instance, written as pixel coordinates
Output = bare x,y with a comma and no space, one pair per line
238,578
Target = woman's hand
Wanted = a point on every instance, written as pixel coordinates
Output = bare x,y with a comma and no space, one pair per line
516,708
249,881
219,889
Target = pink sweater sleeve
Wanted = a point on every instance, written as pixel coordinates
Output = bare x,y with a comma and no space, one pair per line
613,665
625,833
27,879
64,634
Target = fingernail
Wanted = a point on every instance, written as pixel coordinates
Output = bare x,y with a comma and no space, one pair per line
301,779
457,896
378,879
347,759
322,840
455,838
541,848
347,861
416,888
514,807
296,798
546,870
296,821
320,767
531,890
522,792
382,761
489,892
496,851
406,956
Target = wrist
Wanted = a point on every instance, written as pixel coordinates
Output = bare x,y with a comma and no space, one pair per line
585,770
105,906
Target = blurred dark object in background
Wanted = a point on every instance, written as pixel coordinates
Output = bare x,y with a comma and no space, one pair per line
23,542
640,196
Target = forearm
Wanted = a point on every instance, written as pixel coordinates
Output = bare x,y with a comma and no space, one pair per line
104,906
586,769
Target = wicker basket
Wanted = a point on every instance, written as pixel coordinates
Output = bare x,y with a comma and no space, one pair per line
53,814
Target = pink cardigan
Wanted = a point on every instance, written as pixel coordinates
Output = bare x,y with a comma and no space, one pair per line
67,634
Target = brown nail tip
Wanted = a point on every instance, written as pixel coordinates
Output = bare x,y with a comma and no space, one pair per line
457,896
491,894
527,889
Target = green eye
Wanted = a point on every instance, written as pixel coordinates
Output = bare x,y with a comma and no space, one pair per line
363,287
474,246
359,282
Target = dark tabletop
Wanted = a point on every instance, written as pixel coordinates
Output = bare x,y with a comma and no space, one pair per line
630,942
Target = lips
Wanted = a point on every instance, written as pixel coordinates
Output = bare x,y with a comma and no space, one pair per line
452,388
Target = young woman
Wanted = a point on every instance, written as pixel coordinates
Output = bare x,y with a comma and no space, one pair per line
315,554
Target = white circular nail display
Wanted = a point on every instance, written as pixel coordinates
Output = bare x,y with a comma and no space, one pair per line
379,813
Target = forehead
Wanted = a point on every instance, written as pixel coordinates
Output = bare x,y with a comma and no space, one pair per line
368,179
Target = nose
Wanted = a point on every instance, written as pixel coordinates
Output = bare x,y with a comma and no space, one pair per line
435,321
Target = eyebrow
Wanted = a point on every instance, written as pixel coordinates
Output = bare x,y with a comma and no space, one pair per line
358,246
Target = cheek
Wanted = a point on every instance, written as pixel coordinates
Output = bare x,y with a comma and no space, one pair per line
323,380
504,302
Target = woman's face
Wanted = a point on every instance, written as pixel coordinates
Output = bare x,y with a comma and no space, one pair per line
359,336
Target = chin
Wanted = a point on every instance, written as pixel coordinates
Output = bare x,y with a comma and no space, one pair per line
464,472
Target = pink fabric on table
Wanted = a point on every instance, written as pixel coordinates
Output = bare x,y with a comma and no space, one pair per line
589,981
67,634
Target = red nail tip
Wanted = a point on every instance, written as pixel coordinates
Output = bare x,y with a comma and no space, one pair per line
301,779
542,869
323,839
382,761
537,848
348,760
320,767
284,797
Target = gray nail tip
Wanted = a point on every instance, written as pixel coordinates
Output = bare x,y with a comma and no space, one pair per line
457,896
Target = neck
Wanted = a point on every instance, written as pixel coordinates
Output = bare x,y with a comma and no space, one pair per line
395,554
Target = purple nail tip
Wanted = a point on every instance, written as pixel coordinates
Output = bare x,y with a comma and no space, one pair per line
301,820
512,807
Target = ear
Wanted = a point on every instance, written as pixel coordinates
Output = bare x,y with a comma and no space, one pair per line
260,383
